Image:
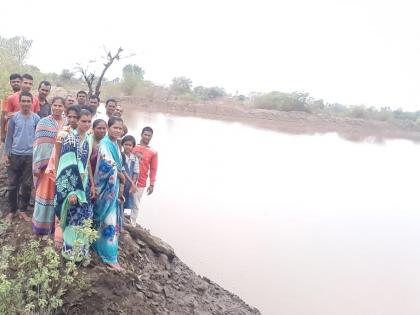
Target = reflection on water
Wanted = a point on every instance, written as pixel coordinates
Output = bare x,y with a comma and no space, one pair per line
293,224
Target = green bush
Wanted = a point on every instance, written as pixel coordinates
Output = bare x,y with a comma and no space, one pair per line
34,279
295,101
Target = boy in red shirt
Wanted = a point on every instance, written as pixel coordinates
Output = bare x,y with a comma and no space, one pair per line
13,103
148,167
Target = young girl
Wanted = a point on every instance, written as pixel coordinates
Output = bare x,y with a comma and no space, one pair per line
132,170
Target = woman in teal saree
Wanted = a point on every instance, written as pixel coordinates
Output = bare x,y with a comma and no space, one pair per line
109,186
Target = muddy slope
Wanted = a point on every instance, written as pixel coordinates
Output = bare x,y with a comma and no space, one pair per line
155,281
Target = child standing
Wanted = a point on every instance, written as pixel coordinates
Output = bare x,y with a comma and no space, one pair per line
132,169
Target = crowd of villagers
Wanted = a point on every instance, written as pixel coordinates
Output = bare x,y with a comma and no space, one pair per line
80,164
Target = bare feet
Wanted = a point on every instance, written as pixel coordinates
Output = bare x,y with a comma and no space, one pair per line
58,244
116,267
23,216
9,218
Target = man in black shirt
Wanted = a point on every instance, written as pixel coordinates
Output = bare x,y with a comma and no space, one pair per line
44,89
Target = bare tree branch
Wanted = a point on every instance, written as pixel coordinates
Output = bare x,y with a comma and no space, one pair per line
91,78
110,61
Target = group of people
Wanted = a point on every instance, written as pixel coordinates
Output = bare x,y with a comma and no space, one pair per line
82,166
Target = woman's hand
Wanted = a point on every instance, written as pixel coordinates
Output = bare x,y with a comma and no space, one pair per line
133,189
121,198
73,199
92,192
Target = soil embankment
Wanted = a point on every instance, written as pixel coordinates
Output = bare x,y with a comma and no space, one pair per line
353,129
155,281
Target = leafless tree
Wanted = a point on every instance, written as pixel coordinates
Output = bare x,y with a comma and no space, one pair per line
91,78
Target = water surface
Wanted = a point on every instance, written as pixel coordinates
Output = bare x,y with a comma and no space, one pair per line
293,224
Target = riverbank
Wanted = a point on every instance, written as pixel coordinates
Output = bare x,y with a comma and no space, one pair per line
156,281
353,129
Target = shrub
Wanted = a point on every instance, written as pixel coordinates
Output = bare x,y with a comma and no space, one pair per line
295,101
34,279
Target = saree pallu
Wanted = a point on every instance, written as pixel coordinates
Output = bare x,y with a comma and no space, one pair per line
45,137
73,179
106,210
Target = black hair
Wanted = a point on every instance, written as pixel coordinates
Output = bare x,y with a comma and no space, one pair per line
129,138
58,98
94,97
86,107
113,120
15,76
110,100
81,92
85,112
74,108
46,83
97,122
147,129
125,129
27,77
24,93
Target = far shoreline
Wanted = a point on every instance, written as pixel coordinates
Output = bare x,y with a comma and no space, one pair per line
293,122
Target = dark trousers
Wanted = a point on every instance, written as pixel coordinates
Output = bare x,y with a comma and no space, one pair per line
19,174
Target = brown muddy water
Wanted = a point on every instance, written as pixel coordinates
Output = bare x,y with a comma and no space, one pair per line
293,224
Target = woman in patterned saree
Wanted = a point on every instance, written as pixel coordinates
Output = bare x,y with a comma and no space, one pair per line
74,182
109,183
45,136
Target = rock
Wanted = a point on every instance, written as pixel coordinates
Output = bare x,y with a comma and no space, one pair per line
201,286
155,288
165,261
139,287
169,292
155,243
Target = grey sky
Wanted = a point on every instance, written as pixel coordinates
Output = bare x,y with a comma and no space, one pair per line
352,52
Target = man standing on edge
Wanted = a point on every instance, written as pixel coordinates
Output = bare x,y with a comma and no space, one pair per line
81,98
93,106
69,101
44,89
15,82
18,156
110,106
13,101
148,167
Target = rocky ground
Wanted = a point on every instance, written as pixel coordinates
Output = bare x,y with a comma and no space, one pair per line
155,281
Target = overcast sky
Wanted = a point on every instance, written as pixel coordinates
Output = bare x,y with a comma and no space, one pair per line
352,52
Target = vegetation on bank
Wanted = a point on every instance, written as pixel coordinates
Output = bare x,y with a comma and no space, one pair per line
14,53
34,277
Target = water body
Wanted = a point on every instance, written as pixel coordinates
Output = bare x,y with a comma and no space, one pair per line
294,224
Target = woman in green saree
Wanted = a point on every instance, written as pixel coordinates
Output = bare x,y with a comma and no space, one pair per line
74,183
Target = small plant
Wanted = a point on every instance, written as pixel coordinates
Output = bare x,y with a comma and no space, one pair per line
34,279
85,236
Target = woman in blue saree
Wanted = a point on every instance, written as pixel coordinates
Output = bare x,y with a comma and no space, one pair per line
109,184
74,183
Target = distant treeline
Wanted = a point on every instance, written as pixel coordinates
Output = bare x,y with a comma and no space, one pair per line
14,53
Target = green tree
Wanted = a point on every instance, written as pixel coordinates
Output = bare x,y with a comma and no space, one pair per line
14,52
181,85
66,75
133,76
295,101
216,92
